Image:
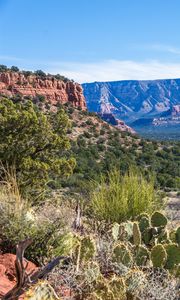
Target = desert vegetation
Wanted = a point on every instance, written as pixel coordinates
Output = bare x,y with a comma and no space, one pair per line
83,191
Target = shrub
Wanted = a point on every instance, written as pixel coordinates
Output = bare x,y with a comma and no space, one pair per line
14,69
33,143
118,198
3,68
40,73
89,122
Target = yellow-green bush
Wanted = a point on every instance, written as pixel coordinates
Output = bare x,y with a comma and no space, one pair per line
119,197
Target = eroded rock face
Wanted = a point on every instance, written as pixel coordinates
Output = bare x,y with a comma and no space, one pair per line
121,125
8,272
56,91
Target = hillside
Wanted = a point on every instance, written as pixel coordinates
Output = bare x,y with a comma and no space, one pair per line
133,100
98,146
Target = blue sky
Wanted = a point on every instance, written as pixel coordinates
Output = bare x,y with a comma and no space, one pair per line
92,40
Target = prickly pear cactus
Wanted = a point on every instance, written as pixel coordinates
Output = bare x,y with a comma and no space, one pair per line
141,255
126,231
87,248
144,221
134,280
158,256
121,254
41,291
158,219
136,234
178,235
118,288
173,255
163,235
172,236
149,236
115,231
102,290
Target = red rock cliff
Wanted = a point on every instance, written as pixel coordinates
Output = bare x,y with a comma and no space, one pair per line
13,83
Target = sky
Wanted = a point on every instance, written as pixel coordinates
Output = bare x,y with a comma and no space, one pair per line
92,40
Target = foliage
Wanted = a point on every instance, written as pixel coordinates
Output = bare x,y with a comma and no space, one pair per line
33,143
122,197
14,69
19,221
120,150
40,73
3,68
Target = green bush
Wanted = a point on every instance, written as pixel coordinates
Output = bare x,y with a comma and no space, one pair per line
33,143
119,198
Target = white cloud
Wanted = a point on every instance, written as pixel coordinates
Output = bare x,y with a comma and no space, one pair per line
112,70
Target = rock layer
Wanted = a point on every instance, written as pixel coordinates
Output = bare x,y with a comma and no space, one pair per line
55,91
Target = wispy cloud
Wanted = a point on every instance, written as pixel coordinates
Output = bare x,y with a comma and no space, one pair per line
164,48
108,70
8,58
155,47
111,70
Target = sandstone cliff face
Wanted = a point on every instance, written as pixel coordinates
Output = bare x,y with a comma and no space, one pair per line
55,91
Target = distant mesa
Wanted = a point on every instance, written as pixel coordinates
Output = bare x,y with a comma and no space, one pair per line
138,103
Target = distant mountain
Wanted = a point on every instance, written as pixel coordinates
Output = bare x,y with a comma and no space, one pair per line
138,103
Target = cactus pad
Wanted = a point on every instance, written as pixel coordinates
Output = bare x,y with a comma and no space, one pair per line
158,219
121,254
41,291
136,234
158,256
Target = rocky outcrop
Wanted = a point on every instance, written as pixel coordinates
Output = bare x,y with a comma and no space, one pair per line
110,118
176,110
55,91
8,272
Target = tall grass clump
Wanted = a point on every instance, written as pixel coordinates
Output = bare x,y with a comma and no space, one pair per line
118,198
